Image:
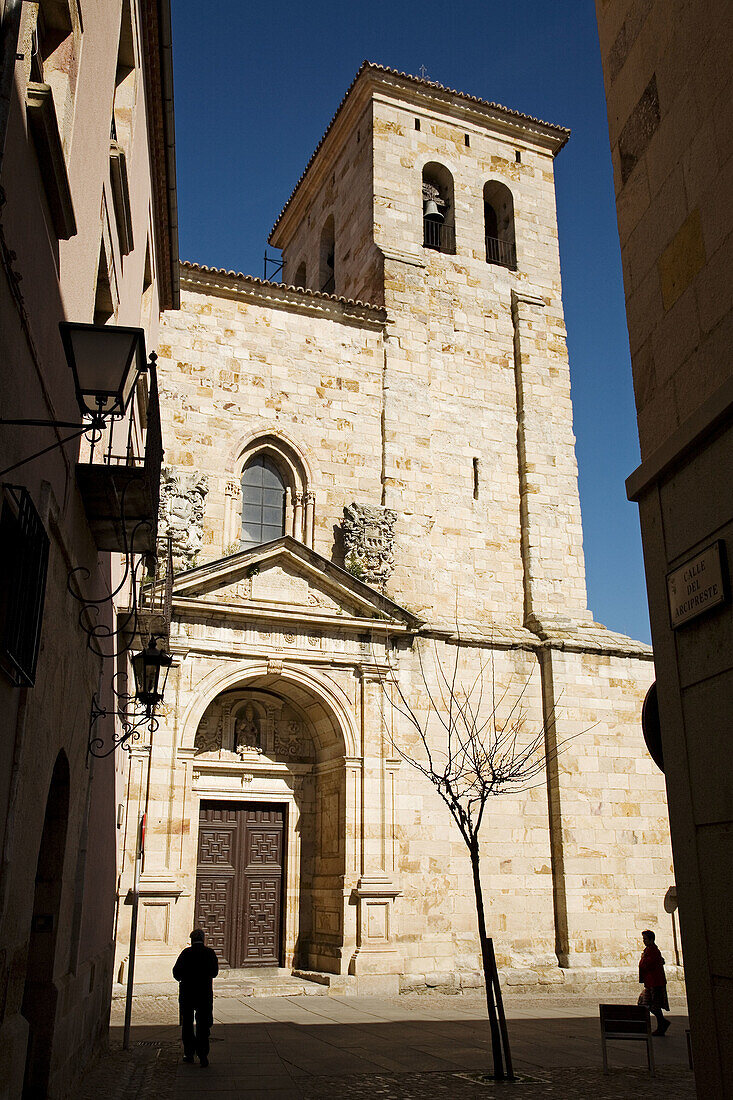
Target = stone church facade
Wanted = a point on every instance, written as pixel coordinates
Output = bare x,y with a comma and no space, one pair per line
371,473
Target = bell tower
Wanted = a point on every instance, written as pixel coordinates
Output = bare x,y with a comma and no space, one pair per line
441,208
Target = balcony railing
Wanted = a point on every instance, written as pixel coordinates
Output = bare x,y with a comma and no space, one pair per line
439,236
119,474
502,253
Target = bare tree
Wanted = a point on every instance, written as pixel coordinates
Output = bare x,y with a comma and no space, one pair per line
479,753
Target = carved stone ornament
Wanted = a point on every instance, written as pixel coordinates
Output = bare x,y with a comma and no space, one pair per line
368,533
181,513
290,741
209,733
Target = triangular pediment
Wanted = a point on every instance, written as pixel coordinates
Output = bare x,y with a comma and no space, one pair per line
286,576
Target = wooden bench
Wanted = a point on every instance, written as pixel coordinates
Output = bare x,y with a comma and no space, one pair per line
626,1022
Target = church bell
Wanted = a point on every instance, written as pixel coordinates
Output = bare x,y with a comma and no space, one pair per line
431,211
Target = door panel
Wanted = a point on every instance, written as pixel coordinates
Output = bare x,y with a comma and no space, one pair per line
263,887
239,882
216,878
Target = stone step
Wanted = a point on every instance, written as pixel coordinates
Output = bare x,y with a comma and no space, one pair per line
270,982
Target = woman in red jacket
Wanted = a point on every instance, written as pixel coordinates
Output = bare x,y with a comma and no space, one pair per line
652,977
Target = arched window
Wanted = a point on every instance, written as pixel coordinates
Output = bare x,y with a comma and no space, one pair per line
327,266
499,225
300,277
263,502
439,231
270,494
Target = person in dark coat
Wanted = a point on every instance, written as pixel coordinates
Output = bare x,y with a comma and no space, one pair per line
654,980
195,968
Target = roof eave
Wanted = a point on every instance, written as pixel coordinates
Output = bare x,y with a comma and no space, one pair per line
157,42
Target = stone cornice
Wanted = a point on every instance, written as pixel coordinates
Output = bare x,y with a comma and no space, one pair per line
591,638
236,285
195,608
373,79
715,414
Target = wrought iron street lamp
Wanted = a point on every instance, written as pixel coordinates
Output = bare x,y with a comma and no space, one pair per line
106,361
148,666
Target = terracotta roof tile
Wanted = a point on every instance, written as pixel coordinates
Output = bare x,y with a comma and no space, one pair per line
190,266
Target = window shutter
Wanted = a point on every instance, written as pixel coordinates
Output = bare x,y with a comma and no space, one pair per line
24,547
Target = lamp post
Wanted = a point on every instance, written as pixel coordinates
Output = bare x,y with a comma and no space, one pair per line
148,666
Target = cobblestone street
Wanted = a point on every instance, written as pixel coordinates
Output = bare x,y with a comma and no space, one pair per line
316,1047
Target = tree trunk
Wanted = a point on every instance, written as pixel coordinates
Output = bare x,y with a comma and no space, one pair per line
500,1012
491,978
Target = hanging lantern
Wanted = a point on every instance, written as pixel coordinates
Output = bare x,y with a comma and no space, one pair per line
106,361
147,667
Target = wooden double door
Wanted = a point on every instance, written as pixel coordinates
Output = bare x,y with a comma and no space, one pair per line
239,881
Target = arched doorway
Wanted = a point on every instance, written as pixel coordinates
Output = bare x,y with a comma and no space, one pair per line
40,993
271,862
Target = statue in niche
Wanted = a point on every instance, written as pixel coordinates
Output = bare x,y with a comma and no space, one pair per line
247,732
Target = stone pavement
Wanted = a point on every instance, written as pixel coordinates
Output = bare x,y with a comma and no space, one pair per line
412,1046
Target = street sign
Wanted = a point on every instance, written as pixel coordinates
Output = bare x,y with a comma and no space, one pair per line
698,585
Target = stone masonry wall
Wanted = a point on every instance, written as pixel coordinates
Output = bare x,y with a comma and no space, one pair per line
239,366
472,376
450,406
436,913
608,809
346,195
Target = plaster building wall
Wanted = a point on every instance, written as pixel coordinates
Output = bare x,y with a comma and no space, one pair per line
668,89
63,258
391,542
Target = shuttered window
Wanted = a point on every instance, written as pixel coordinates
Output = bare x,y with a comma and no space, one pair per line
24,548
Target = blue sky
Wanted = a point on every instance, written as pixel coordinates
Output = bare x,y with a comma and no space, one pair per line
255,87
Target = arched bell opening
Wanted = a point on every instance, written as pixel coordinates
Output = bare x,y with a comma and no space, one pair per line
300,277
271,862
438,205
499,225
327,258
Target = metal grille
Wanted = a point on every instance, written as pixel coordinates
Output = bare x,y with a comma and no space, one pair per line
439,236
24,548
502,253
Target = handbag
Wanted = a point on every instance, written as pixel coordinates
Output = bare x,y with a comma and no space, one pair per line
645,997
